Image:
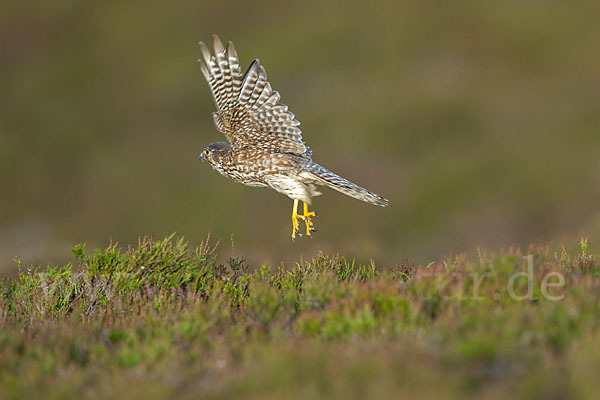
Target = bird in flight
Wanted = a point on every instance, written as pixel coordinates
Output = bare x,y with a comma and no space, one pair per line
264,145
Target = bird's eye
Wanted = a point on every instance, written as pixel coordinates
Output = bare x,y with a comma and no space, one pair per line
207,151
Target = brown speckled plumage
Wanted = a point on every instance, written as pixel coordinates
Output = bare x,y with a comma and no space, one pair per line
265,147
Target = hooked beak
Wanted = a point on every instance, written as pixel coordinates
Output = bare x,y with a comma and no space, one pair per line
201,157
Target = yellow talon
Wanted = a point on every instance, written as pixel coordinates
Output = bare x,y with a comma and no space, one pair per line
306,217
310,226
295,217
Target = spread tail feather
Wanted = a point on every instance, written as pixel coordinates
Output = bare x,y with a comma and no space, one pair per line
334,181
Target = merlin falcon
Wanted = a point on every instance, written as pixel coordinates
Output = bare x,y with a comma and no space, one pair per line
264,145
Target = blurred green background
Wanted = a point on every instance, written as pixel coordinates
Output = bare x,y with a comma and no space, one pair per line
480,121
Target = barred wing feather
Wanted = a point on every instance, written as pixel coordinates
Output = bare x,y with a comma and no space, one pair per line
248,109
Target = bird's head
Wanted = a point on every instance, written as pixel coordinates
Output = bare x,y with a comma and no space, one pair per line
214,152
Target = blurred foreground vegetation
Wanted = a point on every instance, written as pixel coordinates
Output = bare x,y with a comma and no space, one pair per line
164,320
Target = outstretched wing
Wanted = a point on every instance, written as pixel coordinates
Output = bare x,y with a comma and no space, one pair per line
248,109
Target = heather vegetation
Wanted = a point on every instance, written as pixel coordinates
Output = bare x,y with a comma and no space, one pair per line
163,319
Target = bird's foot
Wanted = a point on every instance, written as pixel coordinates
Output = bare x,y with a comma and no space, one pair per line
306,217
295,218
295,224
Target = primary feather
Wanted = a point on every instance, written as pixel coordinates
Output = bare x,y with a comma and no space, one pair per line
247,106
